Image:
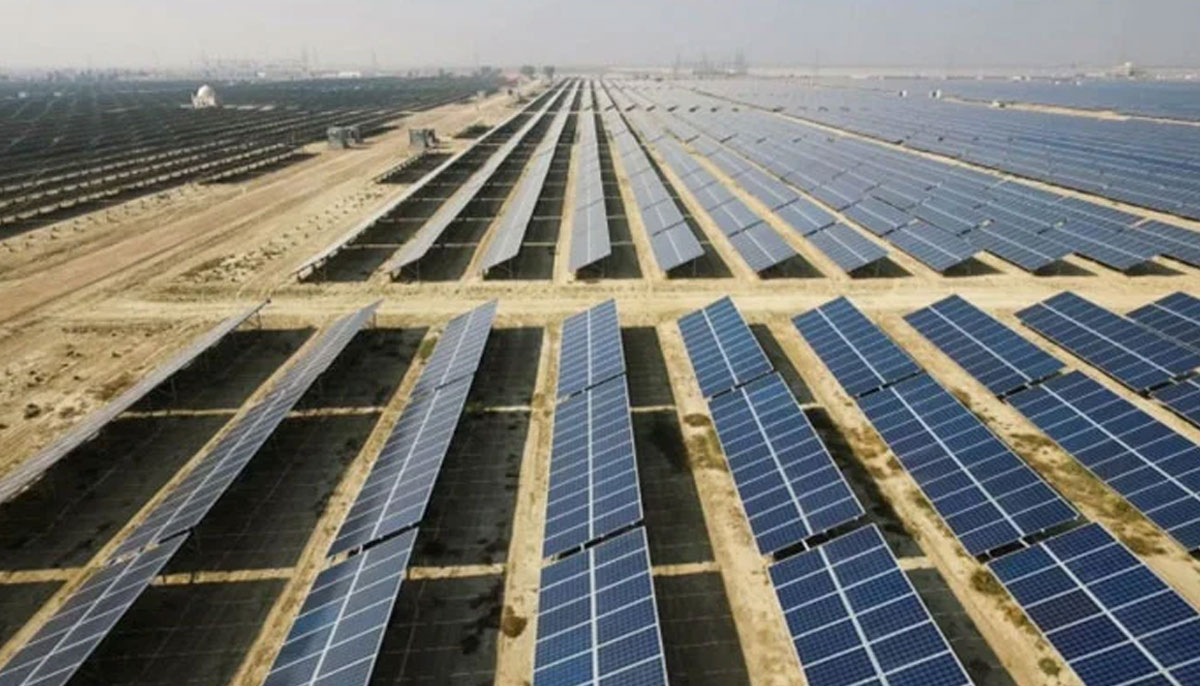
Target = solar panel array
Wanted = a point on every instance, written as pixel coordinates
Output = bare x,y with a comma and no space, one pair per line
855,618
506,243
591,349
25,473
991,352
597,619
860,356
848,249
590,240
66,640
1183,398
1133,354
459,350
187,504
1156,469
1176,316
723,350
593,469
399,485
1108,615
986,495
336,636
788,484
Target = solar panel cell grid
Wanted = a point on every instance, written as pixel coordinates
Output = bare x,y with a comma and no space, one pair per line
788,484
597,618
986,495
1176,316
859,355
593,469
1108,615
591,349
992,353
675,247
723,351
1154,468
847,249
1183,398
459,349
805,217
761,247
855,618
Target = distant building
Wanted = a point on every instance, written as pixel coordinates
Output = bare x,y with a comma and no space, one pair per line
205,97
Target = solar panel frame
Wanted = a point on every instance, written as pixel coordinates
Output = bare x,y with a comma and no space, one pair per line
1154,468
855,617
598,618
191,499
458,350
1112,619
788,485
722,349
64,642
343,619
594,489
984,493
991,352
398,487
860,355
16,479
1129,352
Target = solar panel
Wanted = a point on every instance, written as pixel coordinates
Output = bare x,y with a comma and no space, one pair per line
185,506
1108,615
1183,398
986,495
660,217
861,357
1153,467
805,216
29,470
1173,241
1027,250
335,638
732,217
877,216
846,247
459,349
397,489
766,188
855,618
591,349
761,247
1126,350
590,241
597,619
66,640
788,484
991,352
675,247
723,351
1121,251
1176,315
932,246
593,469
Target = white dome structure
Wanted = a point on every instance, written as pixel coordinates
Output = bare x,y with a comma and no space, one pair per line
206,96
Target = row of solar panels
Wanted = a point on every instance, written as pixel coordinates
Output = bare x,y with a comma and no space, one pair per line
1094,601
64,642
896,193
1140,163
853,615
590,239
597,615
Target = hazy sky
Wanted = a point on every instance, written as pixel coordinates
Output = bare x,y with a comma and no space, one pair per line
931,33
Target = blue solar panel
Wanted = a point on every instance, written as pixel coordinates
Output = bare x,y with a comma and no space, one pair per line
992,353
986,495
732,217
675,246
335,638
1177,315
597,619
1126,350
805,216
1183,398
761,247
591,349
60,647
1121,251
593,469
723,350
846,247
861,357
766,188
1027,250
1108,615
877,216
932,246
398,487
459,350
855,618
1153,467
195,495
788,484
1173,241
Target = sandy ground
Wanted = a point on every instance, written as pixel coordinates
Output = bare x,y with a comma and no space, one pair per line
92,304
